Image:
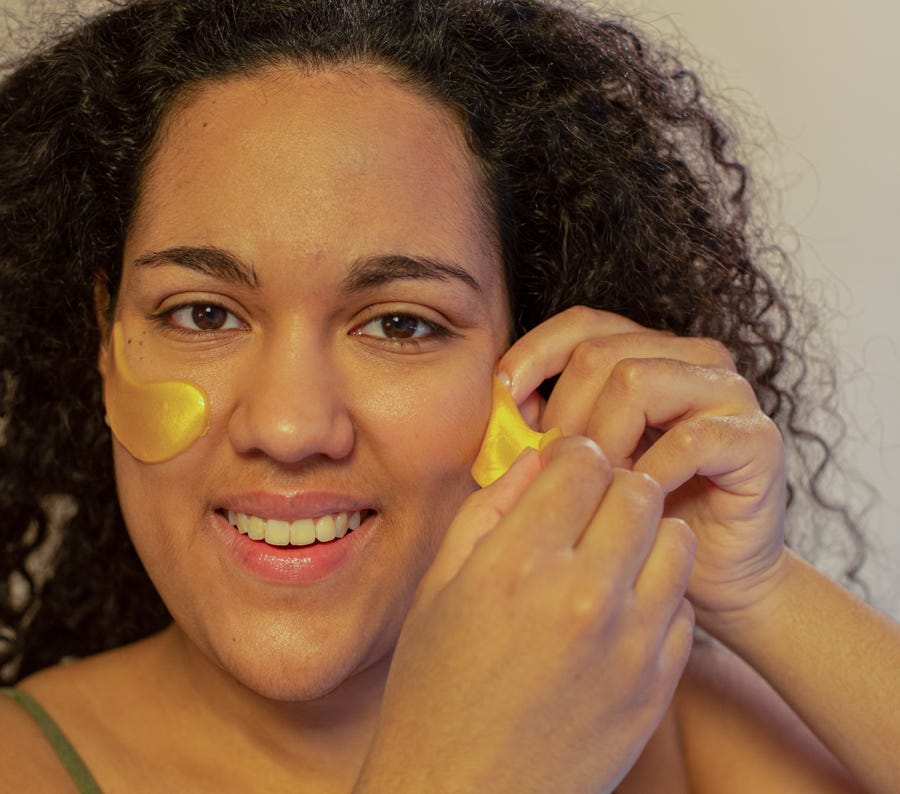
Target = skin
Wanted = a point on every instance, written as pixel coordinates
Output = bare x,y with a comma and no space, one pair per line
530,636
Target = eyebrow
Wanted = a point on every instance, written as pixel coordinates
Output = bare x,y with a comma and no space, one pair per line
376,270
212,261
364,273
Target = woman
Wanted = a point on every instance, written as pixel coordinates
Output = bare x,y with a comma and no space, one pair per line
326,228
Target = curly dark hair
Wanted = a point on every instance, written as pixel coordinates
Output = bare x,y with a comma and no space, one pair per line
611,180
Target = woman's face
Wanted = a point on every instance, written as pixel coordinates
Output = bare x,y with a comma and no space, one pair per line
310,250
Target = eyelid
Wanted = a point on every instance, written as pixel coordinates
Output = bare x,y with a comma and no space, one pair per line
438,328
432,327
163,317
375,311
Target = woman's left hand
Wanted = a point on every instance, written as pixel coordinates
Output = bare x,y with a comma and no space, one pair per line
676,409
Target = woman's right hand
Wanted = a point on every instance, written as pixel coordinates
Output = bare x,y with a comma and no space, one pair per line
547,638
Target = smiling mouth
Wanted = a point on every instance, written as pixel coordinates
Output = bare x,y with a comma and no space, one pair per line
302,532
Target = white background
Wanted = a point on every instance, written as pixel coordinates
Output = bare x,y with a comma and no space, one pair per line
820,85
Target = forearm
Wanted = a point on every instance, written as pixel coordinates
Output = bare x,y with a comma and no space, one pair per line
835,661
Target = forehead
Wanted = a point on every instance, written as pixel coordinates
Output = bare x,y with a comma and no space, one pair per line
343,157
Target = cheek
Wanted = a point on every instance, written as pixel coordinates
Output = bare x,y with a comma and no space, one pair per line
138,488
423,438
157,497
428,429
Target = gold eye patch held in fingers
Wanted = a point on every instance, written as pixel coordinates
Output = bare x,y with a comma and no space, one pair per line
506,437
154,421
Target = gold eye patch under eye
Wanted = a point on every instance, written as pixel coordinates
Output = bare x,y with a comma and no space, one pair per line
506,437
156,420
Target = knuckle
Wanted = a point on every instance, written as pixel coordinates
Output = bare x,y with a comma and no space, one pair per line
591,608
477,505
741,387
680,533
587,459
680,640
591,605
687,436
629,375
719,355
523,564
769,429
679,544
475,517
583,316
641,491
590,358
682,628
685,618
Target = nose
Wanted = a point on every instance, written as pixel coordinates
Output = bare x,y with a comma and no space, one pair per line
291,405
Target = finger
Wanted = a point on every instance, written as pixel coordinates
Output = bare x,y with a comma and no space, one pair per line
477,516
663,579
624,529
545,350
656,393
676,646
553,512
594,361
743,455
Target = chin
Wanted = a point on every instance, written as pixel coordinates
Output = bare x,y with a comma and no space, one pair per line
305,688
311,685
285,668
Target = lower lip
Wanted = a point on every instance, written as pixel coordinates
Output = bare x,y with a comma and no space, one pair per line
293,565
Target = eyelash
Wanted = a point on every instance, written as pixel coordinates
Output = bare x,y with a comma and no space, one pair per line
165,319
433,330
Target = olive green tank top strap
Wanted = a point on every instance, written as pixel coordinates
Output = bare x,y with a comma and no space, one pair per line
81,776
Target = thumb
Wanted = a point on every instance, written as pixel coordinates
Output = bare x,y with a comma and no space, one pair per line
478,516
532,410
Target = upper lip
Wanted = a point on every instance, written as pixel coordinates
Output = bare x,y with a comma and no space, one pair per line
294,506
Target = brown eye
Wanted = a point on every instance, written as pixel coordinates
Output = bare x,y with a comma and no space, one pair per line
401,326
199,317
208,318
399,331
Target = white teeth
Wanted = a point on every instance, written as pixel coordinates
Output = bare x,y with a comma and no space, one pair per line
325,529
278,533
257,528
301,532
341,522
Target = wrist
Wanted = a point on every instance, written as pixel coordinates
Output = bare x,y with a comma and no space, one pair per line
760,607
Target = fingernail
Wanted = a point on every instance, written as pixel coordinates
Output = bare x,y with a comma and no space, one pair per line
507,381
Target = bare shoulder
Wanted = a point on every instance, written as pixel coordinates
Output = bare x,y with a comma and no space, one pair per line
738,735
27,761
80,700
